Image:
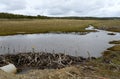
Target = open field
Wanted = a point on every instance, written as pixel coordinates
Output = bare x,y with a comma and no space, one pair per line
11,27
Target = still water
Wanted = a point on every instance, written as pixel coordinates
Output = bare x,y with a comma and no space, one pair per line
72,43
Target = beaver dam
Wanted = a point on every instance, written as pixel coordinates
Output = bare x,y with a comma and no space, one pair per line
41,60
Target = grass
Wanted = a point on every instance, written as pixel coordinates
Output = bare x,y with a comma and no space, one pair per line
111,61
11,27
41,26
101,67
110,25
115,47
108,65
115,42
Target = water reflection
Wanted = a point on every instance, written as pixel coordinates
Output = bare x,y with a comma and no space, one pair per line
73,44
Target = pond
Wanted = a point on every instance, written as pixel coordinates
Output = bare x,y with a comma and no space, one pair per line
71,43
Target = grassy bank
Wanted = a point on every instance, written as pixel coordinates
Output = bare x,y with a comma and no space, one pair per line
115,42
110,25
11,27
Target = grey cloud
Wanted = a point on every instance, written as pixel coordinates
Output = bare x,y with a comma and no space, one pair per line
63,7
10,5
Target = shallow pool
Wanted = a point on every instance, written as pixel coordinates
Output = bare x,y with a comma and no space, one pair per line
72,43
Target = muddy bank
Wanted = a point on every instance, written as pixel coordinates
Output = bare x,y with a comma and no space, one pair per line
42,60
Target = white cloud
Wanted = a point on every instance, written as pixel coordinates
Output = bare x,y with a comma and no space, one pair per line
62,7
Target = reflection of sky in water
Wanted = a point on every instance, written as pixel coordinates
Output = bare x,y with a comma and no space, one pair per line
94,43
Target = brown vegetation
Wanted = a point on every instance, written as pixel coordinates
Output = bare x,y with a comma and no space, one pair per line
9,27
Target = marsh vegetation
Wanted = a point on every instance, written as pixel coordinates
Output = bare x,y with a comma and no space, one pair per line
10,27
105,66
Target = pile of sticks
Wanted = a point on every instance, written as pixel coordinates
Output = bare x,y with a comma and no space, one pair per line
42,60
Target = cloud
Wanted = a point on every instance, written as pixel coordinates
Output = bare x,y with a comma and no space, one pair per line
12,5
108,8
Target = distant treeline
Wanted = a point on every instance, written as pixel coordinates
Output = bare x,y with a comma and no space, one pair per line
18,16
89,18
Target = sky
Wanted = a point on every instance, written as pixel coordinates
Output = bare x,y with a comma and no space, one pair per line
95,8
